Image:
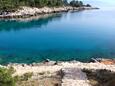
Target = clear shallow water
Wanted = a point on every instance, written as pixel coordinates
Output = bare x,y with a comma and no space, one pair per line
66,36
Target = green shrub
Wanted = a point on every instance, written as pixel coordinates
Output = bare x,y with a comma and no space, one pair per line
11,70
76,3
6,78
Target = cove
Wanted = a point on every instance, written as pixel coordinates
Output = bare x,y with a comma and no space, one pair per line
61,37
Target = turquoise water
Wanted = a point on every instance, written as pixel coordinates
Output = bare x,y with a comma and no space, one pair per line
64,36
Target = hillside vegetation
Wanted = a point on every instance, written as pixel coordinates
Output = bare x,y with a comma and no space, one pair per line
10,5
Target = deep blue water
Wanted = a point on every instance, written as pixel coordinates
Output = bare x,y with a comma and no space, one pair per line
64,36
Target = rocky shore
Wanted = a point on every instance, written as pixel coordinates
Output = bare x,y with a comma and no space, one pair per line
25,12
65,73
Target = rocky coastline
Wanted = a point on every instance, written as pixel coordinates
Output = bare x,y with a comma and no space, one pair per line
62,73
26,12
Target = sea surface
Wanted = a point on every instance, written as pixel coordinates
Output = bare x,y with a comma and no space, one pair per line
64,36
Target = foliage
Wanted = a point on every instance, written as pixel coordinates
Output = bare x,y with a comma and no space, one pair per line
11,5
65,2
24,77
11,70
100,77
6,78
88,5
77,3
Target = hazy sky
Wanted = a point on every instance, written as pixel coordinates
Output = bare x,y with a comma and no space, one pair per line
100,2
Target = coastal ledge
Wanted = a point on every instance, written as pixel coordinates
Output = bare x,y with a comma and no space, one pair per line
73,73
52,66
25,12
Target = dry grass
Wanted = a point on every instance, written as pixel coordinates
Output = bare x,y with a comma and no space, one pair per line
100,77
43,80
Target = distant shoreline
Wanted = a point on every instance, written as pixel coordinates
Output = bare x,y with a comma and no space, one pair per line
27,12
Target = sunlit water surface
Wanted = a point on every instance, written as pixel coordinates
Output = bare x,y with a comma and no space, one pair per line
64,36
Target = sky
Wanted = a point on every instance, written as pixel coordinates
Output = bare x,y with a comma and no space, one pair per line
100,2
